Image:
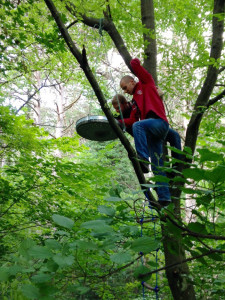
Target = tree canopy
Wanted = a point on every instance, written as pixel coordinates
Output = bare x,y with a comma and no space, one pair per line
75,222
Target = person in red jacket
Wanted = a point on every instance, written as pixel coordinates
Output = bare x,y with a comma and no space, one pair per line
124,108
151,129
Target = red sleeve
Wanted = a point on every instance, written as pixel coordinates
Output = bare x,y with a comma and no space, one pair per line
131,120
140,72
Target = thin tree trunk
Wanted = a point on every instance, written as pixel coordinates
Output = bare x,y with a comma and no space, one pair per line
211,78
173,246
60,113
148,22
37,100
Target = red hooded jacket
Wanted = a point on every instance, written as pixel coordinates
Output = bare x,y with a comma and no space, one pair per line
145,96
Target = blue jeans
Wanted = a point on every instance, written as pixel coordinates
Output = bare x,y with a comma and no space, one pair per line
174,140
149,136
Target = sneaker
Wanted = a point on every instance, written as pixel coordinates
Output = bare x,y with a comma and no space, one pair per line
144,163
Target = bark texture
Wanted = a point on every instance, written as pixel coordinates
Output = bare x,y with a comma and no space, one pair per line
148,22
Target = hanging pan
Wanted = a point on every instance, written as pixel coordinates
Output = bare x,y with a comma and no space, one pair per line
95,128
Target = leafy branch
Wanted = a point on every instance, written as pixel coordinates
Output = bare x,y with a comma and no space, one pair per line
212,251
192,233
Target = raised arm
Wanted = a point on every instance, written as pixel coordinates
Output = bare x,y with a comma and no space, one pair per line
140,72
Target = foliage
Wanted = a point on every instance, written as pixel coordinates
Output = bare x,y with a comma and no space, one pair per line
69,222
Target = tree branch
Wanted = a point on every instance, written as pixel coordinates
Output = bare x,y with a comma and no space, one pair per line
107,25
195,234
217,98
82,60
221,69
121,268
28,100
212,251
211,78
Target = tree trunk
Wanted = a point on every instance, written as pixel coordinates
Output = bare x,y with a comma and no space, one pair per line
37,100
148,22
211,78
173,247
60,113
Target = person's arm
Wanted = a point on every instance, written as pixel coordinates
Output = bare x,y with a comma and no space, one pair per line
140,72
131,120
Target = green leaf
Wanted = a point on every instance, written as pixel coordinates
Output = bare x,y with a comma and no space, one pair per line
62,232
145,244
40,252
114,199
53,244
153,264
196,174
52,266
217,175
188,150
63,260
63,221
151,185
99,226
25,245
140,273
120,258
197,227
4,274
79,289
160,178
216,256
84,245
30,291
41,277
109,211
207,155
13,270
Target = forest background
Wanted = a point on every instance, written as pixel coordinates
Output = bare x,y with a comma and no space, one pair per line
75,223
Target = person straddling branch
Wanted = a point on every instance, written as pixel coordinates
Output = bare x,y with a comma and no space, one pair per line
172,137
152,126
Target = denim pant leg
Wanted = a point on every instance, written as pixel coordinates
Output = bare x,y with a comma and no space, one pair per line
148,136
174,140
